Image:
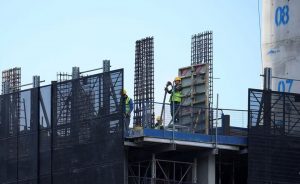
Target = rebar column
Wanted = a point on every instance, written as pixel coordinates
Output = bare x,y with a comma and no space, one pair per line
144,83
11,80
202,52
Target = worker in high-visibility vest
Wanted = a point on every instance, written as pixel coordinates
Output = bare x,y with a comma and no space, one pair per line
128,107
175,98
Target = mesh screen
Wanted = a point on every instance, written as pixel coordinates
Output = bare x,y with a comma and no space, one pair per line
68,132
274,137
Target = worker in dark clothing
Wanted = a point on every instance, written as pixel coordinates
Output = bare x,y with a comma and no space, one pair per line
128,107
158,124
175,98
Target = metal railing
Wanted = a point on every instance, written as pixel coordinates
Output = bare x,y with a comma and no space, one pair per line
160,171
279,113
196,120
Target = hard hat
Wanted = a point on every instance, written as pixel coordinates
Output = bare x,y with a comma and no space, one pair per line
177,79
123,92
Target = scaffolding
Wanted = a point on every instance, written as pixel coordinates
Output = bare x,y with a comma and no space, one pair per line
202,52
161,171
63,76
144,83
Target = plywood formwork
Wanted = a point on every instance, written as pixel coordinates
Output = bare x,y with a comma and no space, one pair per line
195,88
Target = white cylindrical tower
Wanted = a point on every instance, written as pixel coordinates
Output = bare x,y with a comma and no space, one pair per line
281,43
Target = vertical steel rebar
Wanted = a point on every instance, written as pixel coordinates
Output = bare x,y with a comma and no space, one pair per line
202,52
144,83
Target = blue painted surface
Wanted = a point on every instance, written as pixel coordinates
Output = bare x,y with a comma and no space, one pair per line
222,139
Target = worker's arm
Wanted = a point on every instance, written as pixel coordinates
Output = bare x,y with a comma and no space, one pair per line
131,105
178,88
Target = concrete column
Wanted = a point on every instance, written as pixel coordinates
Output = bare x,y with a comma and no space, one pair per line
153,170
126,166
194,173
206,168
267,78
75,73
106,65
36,81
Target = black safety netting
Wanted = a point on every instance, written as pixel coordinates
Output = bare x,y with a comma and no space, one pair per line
274,137
67,132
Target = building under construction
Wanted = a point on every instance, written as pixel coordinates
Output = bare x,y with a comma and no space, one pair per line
72,131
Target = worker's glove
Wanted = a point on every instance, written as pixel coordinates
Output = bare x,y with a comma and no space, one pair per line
178,88
169,83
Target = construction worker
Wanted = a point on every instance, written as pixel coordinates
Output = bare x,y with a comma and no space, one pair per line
158,124
128,107
175,98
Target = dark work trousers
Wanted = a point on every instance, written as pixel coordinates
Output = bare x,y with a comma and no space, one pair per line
174,109
126,125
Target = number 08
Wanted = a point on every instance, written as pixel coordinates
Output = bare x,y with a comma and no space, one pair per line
282,15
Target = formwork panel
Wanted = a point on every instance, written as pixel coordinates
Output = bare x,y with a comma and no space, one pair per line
195,102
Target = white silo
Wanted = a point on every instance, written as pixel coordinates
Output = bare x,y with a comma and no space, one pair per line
281,43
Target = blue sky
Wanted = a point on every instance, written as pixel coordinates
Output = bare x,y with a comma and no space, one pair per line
46,37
